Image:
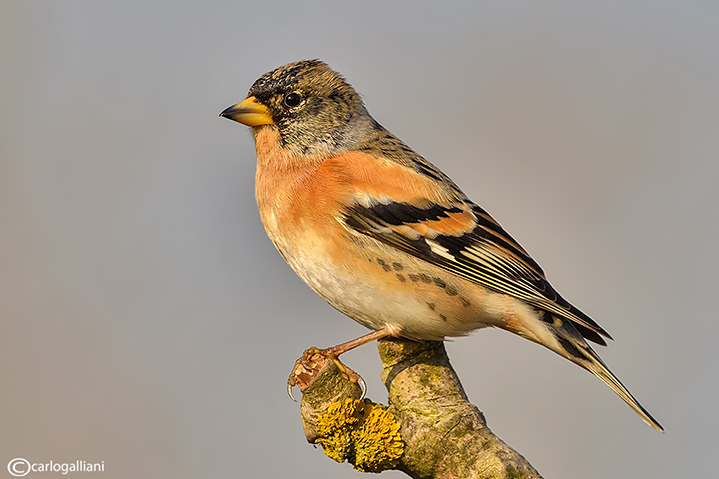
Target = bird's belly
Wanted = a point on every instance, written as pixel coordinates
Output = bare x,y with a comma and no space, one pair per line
378,287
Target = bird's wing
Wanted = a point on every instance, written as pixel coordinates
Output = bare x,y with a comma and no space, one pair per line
464,239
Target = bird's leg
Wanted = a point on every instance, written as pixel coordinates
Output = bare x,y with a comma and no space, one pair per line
335,351
333,354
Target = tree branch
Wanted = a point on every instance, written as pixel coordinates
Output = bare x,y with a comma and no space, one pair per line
429,430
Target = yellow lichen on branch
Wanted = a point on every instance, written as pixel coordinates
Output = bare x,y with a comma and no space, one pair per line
443,436
364,433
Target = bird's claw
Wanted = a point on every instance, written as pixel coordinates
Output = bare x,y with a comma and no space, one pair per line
305,362
363,387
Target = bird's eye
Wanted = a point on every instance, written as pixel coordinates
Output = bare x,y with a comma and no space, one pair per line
292,99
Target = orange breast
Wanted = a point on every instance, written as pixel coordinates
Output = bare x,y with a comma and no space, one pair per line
301,197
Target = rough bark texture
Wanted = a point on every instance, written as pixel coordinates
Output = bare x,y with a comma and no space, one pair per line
442,434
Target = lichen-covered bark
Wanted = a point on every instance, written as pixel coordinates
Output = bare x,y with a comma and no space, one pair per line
444,436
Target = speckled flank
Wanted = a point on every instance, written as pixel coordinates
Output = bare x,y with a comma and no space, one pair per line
420,277
443,308
384,265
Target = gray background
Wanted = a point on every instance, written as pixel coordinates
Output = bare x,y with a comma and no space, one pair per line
148,322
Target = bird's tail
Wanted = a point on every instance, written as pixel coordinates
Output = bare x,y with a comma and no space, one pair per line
572,346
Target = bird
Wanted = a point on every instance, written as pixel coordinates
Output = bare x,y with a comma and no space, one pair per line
387,238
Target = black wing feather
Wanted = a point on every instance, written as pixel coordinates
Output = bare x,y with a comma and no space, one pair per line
487,255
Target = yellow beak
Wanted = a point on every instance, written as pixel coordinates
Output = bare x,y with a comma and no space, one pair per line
249,112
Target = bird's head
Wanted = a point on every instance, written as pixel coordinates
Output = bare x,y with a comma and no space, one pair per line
314,109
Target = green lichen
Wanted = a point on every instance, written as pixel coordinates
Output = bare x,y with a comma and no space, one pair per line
364,433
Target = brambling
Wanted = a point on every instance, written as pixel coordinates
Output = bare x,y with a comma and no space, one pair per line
388,239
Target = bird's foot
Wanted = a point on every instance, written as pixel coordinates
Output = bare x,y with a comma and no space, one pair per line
308,362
